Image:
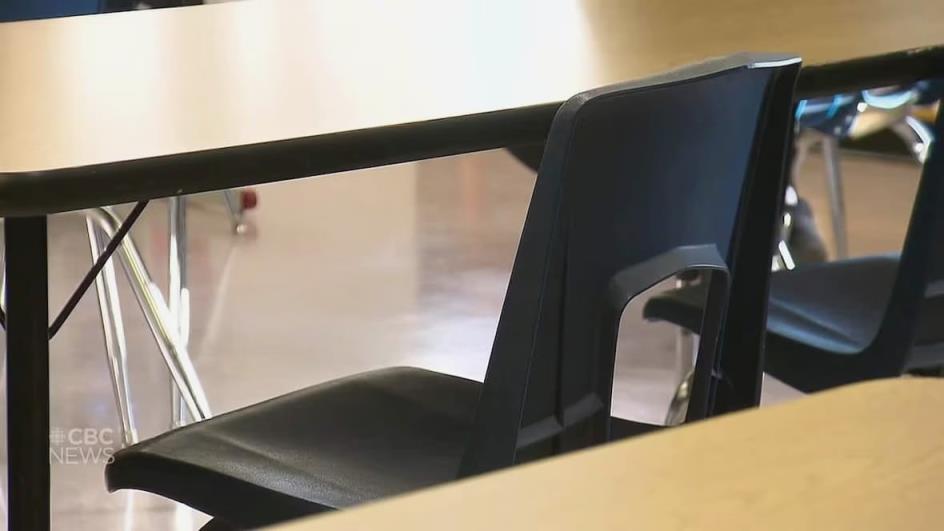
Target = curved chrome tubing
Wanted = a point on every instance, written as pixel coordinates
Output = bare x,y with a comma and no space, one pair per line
686,350
678,407
106,287
916,134
158,317
783,256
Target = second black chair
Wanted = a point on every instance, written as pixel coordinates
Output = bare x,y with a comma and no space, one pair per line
850,320
639,182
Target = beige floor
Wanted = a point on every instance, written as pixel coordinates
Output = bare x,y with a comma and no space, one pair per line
390,266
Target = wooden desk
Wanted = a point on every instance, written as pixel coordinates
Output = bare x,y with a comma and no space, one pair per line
361,82
863,457
133,106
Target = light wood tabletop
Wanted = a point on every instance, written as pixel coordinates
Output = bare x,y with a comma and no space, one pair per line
128,86
865,457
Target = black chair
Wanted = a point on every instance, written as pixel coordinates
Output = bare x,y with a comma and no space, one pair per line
850,320
13,10
639,182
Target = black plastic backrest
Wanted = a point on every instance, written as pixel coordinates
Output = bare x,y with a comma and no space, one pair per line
920,269
639,181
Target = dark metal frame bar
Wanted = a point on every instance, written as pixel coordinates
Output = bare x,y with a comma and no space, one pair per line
27,374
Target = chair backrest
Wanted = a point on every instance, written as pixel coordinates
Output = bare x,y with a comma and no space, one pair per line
639,181
920,268
14,10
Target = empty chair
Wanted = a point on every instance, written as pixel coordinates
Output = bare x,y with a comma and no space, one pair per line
639,181
822,122
840,322
825,121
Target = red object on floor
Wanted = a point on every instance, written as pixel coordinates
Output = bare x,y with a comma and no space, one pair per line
248,199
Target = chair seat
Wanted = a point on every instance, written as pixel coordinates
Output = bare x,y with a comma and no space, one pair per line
826,309
329,446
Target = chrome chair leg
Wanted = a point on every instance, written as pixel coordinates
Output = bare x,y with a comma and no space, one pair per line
106,287
678,407
686,345
916,135
157,316
178,297
234,205
837,203
783,259
686,348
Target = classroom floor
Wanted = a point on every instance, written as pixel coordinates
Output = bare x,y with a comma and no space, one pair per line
403,265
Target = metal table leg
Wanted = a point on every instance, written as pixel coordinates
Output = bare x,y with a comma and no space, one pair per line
178,295
116,351
157,316
27,374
